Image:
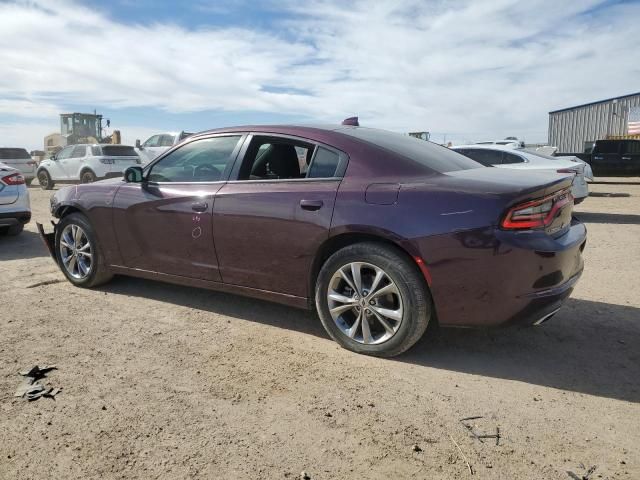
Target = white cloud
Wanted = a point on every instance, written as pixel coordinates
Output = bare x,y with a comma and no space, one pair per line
474,69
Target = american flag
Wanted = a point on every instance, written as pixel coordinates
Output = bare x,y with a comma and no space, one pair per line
633,124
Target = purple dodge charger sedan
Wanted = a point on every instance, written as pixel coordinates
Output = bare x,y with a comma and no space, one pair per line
382,233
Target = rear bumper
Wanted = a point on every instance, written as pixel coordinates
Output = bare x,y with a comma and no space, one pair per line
491,277
8,219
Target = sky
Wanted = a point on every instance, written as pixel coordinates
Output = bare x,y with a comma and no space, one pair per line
463,70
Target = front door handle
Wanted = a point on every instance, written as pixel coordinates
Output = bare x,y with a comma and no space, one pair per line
626,158
199,207
311,204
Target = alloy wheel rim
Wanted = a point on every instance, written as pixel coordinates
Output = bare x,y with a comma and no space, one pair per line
365,303
44,181
76,252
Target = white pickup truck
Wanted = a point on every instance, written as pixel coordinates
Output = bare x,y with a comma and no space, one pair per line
157,144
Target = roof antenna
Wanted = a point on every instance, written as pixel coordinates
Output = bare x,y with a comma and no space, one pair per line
352,121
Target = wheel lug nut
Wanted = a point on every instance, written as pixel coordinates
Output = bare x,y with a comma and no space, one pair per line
371,302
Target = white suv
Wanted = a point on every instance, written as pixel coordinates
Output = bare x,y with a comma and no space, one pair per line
157,144
85,164
20,159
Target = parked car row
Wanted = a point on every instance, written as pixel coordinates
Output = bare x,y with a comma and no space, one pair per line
382,233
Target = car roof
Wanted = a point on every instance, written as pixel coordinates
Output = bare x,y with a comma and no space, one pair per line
277,128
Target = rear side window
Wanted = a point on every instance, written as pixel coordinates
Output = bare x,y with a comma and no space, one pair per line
324,164
632,148
95,151
431,155
14,153
511,158
166,141
118,151
78,151
484,157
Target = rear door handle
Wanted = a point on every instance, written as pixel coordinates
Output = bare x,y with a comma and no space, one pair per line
311,204
199,207
626,158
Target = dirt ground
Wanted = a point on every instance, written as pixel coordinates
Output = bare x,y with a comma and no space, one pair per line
161,381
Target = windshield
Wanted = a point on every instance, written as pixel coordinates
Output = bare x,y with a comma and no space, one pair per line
435,157
14,153
118,151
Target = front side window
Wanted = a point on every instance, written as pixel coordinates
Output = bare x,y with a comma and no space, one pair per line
64,153
79,151
606,146
203,160
152,141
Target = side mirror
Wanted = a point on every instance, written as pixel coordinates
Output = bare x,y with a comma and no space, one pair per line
138,143
53,157
133,175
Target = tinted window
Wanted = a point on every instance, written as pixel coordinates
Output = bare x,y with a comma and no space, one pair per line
607,146
511,158
118,151
78,151
95,151
14,153
152,141
433,156
324,164
483,156
275,158
632,148
166,141
64,153
199,161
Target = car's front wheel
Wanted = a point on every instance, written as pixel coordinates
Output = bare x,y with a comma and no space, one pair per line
371,299
78,252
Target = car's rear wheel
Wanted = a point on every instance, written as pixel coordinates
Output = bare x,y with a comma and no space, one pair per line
87,177
44,179
78,252
371,299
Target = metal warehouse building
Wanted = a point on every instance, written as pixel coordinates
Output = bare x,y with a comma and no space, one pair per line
572,129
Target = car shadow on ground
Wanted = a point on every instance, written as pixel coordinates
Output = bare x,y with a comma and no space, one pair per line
612,218
26,245
588,347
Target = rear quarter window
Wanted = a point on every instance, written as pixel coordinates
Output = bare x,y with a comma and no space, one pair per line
118,151
324,164
431,155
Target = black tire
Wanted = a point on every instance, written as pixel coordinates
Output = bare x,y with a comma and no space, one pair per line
413,289
99,273
44,179
87,176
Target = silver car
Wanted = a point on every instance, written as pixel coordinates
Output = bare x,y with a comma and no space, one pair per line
15,207
20,159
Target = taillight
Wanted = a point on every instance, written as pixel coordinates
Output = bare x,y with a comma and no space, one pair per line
13,179
32,163
566,170
536,213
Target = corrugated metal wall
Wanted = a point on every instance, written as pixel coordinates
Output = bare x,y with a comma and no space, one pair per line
570,129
